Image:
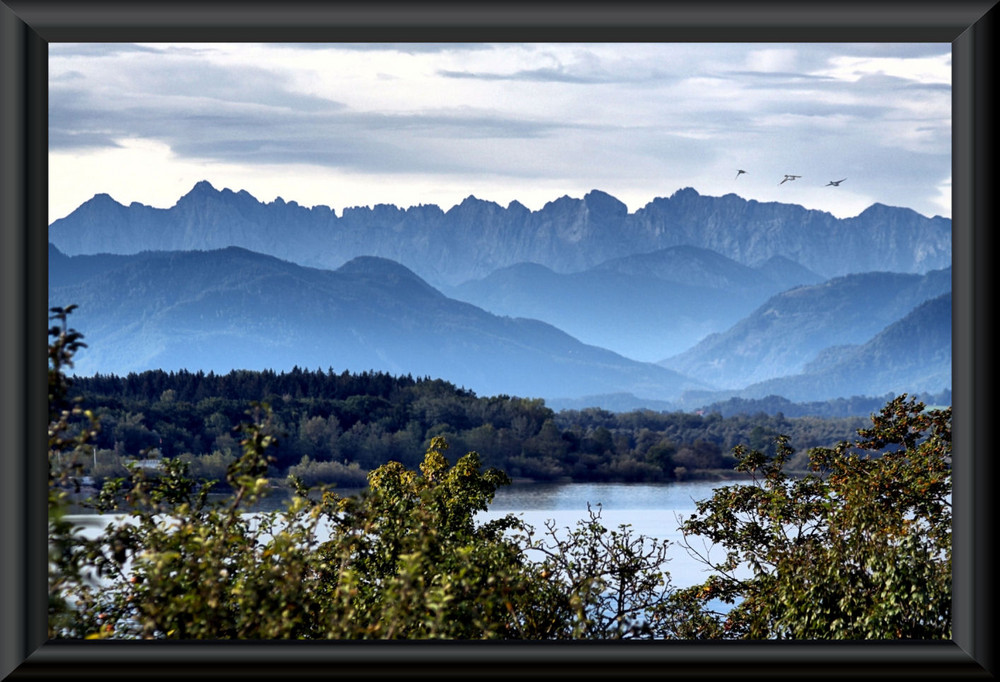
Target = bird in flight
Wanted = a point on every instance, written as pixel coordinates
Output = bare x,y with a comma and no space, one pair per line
835,183
740,172
789,177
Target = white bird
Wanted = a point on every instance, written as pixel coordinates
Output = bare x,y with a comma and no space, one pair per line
789,177
835,183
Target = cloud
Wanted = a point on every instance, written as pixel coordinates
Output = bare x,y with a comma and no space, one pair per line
547,75
642,119
931,69
101,50
401,48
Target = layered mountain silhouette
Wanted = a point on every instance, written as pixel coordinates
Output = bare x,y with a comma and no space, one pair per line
911,355
645,306
476,237
688,298
790,329
235,309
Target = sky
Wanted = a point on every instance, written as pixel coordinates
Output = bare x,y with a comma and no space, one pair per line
343,125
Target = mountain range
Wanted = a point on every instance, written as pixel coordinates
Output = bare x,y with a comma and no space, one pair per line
781,336
689,299
910,355
646,306
235,309
476,237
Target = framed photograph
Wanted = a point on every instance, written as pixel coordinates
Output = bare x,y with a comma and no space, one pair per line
31,32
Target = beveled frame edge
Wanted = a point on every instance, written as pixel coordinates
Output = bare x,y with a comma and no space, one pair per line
26,29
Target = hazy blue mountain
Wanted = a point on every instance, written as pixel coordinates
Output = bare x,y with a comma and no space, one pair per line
645,306
226,309
911,356
477,237
880,238
612,402
788,331
784,273
703,267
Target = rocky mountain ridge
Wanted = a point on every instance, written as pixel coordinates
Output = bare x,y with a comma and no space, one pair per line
476,237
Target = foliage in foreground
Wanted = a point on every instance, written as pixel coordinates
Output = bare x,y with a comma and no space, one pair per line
860,548
405,560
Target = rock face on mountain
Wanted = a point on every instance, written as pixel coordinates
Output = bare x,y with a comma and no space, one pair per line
476,237
233,309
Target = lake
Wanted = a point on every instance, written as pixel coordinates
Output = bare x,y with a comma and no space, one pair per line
651,509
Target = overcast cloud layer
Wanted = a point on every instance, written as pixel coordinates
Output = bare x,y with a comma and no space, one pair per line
353,125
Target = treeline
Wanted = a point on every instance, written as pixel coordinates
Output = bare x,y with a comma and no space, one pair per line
834,407
335,427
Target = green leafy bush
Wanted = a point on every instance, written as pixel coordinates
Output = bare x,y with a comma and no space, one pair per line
211,467
858,549
313,474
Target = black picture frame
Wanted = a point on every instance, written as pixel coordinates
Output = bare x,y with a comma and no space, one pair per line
28,26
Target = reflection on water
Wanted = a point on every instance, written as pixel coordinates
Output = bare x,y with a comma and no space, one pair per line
575,496
651,509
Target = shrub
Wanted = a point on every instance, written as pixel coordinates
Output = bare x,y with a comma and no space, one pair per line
313,474
212,467
860,548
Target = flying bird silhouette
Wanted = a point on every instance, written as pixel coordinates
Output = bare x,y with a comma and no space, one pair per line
835,183
739,173
789,177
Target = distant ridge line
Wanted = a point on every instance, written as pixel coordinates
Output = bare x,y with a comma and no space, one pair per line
476,237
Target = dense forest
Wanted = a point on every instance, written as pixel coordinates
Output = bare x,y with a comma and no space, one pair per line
335,428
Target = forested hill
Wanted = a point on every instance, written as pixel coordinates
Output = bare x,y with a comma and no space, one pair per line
337,426
263,385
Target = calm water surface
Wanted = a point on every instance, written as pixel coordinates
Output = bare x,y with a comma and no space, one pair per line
651,509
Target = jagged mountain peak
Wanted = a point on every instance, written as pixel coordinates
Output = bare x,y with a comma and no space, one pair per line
685,193
202,188
518,207
100,201
603,203
562,203
473,206
475,237
878,210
